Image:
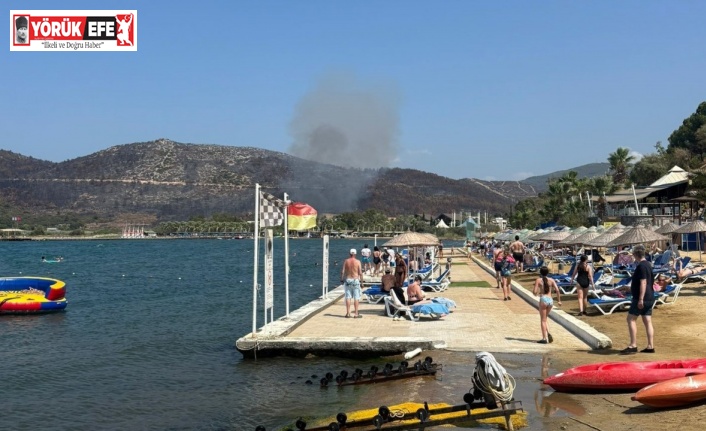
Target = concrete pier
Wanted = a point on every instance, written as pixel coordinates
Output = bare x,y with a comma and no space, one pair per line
482,321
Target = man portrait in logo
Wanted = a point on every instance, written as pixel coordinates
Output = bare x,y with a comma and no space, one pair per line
21,33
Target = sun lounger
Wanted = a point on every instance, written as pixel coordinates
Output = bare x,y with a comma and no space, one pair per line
668,295
609,305
439,284
394,308
538,263
563,276
374,294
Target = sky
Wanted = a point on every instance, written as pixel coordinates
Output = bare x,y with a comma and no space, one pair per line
493,90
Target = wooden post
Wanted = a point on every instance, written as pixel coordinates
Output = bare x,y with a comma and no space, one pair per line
508,418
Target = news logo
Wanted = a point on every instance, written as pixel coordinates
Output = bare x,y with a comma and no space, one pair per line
73,30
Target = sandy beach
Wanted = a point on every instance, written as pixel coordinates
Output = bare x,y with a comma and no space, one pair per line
679,334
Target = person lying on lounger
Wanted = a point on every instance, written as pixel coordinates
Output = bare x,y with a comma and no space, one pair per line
688,272
661,283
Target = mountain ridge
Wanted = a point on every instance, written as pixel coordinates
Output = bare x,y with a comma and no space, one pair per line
168,180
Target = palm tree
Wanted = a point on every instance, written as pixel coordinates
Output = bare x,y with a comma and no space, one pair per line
620,164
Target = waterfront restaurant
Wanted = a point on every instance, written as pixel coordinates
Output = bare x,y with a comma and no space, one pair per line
661,202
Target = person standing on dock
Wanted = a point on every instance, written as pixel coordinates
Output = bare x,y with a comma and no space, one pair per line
351,276
401,272
365,258
376,260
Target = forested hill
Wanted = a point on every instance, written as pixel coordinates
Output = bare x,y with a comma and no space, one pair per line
585,171
173,181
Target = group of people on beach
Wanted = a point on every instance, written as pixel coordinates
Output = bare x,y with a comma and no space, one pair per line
641,290
396,273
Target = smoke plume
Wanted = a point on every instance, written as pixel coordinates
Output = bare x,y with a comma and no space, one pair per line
342,122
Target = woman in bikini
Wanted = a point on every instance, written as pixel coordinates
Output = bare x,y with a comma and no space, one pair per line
685,273
543,287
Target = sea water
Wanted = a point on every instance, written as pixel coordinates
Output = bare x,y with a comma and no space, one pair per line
147,341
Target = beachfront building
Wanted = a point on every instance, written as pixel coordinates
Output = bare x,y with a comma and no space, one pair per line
661,202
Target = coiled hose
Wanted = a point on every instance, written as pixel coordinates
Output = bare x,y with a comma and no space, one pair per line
491,378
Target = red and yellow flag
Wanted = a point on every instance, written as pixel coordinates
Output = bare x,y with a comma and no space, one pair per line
301,216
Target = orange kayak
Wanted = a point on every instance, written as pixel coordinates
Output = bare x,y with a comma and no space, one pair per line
673,393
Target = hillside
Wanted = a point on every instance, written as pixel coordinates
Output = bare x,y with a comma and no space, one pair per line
585,171
165,180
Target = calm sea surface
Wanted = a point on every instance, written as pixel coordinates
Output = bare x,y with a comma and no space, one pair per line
147,341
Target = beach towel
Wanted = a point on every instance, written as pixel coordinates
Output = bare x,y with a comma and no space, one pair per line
433,308
449,303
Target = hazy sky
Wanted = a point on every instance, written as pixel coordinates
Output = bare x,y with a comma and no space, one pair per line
469,88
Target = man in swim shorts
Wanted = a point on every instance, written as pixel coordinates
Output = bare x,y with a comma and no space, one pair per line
518,253
365,258
351,276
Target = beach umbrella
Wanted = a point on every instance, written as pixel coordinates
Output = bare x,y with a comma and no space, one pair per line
556,235
696,226
568,239
535,234
584,237
667,228
636,235
413,239
615,227
601,240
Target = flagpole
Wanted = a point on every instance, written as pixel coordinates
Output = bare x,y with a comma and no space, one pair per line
286,254
255,257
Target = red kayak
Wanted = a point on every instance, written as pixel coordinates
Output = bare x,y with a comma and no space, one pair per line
674,393
622,376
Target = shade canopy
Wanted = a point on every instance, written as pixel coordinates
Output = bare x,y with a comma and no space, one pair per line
585,237
555,235
692,227
636,235
412,239
603,239
667,228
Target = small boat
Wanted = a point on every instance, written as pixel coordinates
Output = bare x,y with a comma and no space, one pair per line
22,295
674,393
622,376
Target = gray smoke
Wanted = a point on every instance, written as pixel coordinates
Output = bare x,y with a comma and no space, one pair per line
344,123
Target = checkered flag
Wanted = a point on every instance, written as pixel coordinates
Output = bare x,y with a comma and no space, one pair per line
271,214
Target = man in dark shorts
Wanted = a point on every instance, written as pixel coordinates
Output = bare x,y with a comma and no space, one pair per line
642,302
518,253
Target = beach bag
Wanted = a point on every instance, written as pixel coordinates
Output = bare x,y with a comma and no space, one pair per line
505,268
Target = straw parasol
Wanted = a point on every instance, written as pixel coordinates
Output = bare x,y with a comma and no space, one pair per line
586,236
696,226
568,239
618,226
604,238
667,228
555,235
412,239
636,235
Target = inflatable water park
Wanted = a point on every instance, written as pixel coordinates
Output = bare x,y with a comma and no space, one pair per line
27,295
